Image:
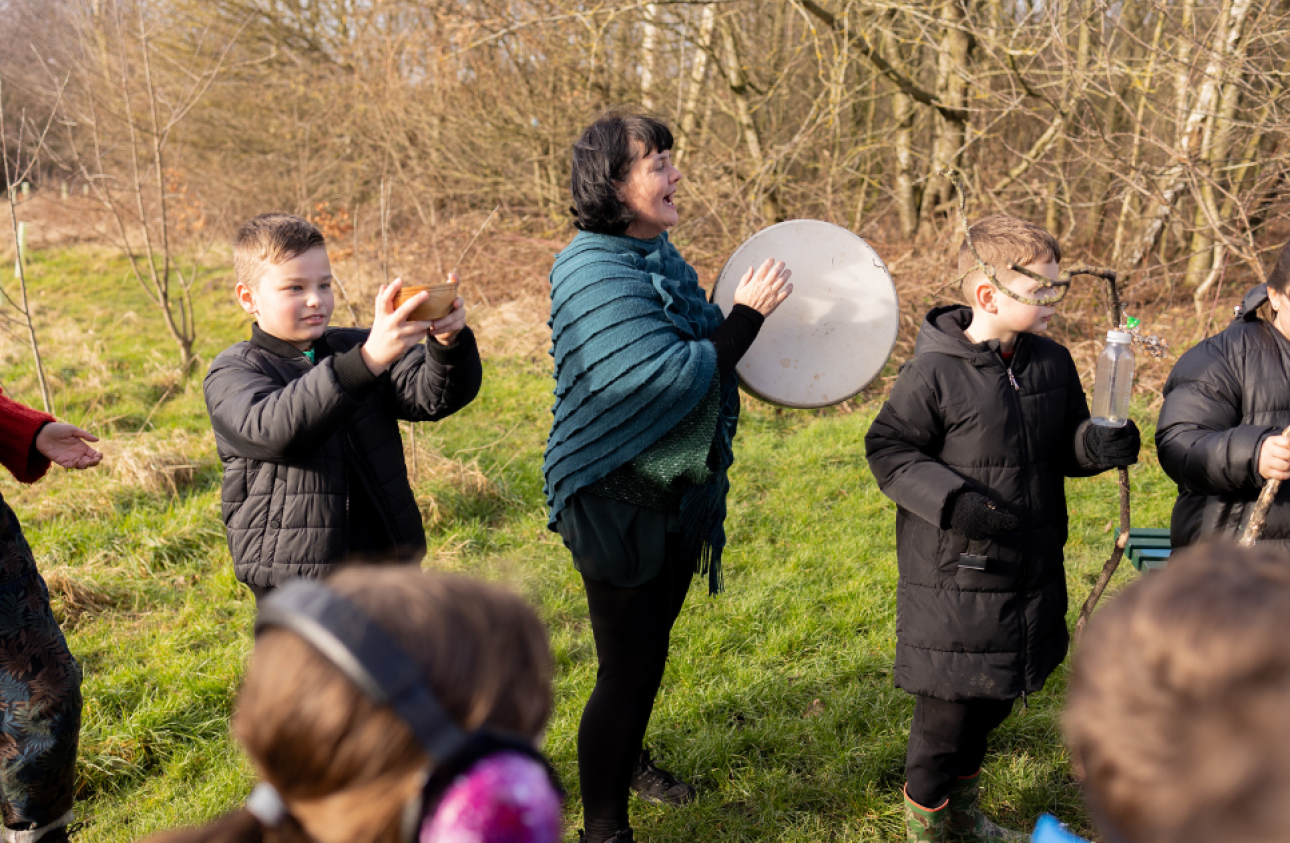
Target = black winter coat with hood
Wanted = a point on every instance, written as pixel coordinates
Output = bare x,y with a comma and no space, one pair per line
294,437
1223,398
960,419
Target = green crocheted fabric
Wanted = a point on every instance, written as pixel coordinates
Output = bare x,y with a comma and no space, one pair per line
660,475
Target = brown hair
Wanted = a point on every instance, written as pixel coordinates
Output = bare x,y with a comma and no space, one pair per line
602,160
271,239
1177,710
344,765
1002,239
1279,280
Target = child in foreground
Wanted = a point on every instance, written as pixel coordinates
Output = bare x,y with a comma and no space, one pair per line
974,444
338,767
1176,712
306,417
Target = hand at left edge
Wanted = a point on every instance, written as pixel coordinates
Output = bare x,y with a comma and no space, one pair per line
68,445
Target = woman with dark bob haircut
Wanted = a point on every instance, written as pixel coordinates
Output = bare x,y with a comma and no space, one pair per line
645,414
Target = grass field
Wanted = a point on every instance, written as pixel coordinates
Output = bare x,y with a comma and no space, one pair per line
777,704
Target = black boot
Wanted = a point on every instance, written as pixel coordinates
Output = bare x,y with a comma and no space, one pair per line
659,786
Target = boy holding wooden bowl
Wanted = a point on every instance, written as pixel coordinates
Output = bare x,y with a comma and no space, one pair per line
306,416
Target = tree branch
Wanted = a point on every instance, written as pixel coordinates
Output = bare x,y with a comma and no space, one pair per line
904,83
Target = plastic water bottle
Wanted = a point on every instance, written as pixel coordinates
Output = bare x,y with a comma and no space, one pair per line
1114,384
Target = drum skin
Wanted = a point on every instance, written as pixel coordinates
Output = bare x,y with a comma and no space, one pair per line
833,335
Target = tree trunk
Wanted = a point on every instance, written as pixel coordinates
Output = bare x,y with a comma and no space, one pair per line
1189,137
698,76
738,82
907,198
649,54
1204,259
951,90
1126,204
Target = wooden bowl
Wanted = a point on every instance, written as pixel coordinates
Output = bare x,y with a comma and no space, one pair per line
437,306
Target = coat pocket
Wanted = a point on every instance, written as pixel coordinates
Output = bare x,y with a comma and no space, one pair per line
1001,571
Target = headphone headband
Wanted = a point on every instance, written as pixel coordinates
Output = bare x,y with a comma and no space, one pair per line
367,655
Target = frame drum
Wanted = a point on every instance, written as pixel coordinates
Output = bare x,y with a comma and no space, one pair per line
833,334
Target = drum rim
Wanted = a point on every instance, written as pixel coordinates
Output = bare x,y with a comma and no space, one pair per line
894,338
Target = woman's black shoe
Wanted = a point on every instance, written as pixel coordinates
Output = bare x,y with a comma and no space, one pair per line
622,835
659,786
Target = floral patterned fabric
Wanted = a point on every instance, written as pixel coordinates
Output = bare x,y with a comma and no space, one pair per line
505,798
40,692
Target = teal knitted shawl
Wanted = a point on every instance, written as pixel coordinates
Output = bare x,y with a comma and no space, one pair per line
629,324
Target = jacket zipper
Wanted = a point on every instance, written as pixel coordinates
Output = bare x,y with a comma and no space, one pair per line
361,470
1021,422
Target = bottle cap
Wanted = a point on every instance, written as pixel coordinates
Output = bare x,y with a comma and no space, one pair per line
1119,336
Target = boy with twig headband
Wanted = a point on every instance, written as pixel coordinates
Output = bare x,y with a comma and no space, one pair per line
974,444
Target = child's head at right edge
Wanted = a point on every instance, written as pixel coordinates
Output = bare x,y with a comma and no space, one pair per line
1001,240
1178,710
284,276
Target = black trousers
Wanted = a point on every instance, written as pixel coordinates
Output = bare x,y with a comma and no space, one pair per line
632,628
947,740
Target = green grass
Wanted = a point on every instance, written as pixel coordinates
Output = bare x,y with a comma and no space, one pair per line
162,629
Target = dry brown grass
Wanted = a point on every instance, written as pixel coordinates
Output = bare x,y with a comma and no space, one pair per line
53,222
458,478
164,462
504,282
515,328
74,598
158,464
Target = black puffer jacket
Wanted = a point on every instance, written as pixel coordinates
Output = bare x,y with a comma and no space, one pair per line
291,434
1222,399
960,419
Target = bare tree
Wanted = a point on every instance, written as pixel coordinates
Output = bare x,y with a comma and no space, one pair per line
1149,131
13,177
145,233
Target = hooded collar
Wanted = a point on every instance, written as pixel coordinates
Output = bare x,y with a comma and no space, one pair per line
1248,309
942,332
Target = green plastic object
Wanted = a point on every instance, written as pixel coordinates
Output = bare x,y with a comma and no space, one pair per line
1132,322
1148,548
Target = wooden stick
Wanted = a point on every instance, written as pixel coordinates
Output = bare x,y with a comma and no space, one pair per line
1260,514
1117,553
478,232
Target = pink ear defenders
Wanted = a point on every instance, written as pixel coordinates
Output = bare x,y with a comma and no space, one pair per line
360,649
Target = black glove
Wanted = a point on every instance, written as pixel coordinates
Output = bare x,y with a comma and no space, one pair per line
1113,446
977,517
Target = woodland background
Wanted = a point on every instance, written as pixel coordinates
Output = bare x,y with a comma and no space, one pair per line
1150,136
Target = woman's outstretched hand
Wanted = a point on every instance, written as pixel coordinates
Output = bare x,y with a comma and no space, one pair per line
1274,458
67,445
764,288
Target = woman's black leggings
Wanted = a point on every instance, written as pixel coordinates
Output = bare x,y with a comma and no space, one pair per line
632,628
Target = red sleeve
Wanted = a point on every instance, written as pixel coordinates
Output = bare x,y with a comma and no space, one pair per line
19,425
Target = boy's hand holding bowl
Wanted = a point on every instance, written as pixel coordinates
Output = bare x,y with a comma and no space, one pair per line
405,315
